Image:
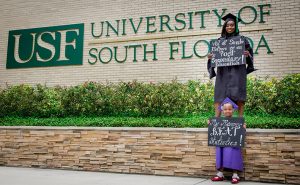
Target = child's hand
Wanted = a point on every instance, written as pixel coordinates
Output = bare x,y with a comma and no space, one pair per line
209,56
208,122
245,125
246,53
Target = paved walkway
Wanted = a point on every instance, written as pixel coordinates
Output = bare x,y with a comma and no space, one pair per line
35,176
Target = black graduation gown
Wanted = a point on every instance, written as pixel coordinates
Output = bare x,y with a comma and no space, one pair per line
231,80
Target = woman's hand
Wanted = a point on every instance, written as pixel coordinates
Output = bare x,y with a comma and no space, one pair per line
245,125
208,122
209,56
246,53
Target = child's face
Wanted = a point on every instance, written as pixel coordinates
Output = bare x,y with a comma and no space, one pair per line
227,110
230,27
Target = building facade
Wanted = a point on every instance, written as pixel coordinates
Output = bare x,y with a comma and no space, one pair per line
71,42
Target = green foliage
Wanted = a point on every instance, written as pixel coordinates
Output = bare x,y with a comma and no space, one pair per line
24,100
199,121
17,101
86,99
277,97
288,96
137,99
47,101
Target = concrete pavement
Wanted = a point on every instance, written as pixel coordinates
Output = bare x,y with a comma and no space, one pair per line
35,176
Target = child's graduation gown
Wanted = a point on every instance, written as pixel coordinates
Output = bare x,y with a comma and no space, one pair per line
231,80
229,158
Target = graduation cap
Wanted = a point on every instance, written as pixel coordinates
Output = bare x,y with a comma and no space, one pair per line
234,18
228,100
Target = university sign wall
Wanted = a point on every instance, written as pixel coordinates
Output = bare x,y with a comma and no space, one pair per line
63,45
48,46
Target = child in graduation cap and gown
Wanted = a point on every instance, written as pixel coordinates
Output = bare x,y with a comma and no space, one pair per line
228,158
231,80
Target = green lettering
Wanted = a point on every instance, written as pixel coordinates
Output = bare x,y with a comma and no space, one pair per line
180,21
134,51
116,57
124,23
208,48
262,13
132,25
183,51
92,30
162,22
251,8
262,39
153,51
116,30
150,24
93,56
110,52
202,17
191,20
219,16
172,49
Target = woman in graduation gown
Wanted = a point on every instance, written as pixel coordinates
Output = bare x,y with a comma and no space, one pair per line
231,80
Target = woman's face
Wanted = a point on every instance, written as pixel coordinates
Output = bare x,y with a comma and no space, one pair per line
230,27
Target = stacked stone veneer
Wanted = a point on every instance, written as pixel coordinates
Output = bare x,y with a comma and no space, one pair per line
269,155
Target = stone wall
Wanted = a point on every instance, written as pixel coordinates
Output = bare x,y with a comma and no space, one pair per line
269,155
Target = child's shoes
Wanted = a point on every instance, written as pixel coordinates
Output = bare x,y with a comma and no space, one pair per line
217,178
235,180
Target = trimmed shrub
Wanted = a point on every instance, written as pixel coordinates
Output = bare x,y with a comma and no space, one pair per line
275,97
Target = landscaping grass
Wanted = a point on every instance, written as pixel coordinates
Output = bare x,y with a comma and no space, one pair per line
200,121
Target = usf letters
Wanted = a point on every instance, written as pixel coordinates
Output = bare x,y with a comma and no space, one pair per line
48,46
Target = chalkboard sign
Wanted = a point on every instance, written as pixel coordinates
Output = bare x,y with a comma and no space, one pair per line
226,132
228,52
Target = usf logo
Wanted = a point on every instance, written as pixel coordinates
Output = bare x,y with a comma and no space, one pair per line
47,46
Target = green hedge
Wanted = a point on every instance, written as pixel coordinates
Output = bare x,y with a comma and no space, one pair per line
276,97
199,121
